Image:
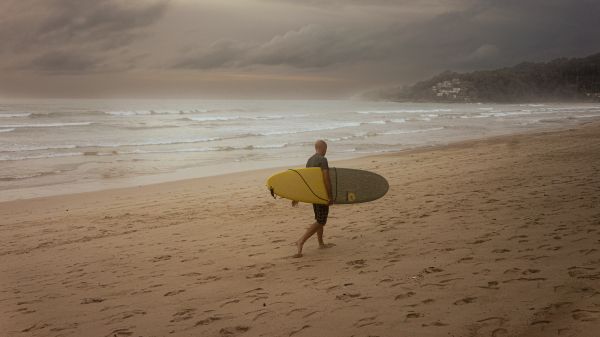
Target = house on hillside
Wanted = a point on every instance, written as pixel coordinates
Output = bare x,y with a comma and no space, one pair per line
450,90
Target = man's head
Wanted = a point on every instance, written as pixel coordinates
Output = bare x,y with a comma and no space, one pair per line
321,147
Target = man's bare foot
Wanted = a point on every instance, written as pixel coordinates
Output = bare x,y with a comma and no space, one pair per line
326,245
298,255
299,245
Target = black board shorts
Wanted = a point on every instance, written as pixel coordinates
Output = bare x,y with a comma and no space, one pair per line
321,213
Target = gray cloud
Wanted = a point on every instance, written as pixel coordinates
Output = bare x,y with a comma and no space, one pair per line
311,46
356,44
385,4
61,62
71,35
220,53
481,34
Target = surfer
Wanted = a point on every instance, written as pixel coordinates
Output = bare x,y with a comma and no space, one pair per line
321,211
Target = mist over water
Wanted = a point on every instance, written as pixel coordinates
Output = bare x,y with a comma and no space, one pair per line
58,146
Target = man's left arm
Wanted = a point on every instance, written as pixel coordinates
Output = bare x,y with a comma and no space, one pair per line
327,181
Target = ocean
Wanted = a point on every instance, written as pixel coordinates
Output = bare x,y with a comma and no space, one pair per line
52,147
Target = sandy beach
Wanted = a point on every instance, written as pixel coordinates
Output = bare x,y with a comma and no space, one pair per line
495,237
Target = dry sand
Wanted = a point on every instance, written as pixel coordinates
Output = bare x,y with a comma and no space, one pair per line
498,237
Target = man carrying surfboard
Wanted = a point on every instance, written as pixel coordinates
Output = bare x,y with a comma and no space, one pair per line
321,211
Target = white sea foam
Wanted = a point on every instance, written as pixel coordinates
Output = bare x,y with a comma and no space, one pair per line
206,149
225,129
270,146
27,148
401,132
23,176
402,111
474,116
585,116
212,118
156,142
506,113
323,128
42,156
47,125
12,115
128,113
54,114
125,113
230,118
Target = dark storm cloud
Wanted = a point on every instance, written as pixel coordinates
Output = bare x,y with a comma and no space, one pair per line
360,3
354,44
310,46
69,35
474,35
220,53
58,61
491,33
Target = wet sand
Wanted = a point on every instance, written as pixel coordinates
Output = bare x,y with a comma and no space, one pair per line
496,237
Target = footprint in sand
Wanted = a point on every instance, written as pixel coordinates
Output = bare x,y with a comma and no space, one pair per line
347,296
208,320
584,273
499,332
366,322
161,258
295,311
414,315
357,264
230,302
585,315
233,331
299,330
492,326
259,315
466,300
36,326
122,316
431,270
183,315
405,295
436,323
120,332
257,275
174,292
89,300
491,285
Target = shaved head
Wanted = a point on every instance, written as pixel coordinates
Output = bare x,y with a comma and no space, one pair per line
321,147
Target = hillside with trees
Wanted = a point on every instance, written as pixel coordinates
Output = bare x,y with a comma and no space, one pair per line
563,79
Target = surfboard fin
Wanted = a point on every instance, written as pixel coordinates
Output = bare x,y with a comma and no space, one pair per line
272,192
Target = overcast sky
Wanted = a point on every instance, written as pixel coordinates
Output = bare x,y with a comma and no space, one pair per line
273,48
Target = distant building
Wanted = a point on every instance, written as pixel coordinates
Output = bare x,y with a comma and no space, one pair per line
450,90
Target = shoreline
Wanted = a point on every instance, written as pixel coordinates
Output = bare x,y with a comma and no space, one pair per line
43,191
493,237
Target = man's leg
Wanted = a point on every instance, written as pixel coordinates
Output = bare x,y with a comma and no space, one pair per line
320,236
309,232
322,244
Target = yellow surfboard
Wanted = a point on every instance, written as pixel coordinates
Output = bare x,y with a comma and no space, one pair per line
301,184
348,186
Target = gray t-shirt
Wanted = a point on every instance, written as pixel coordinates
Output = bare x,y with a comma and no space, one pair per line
317,161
